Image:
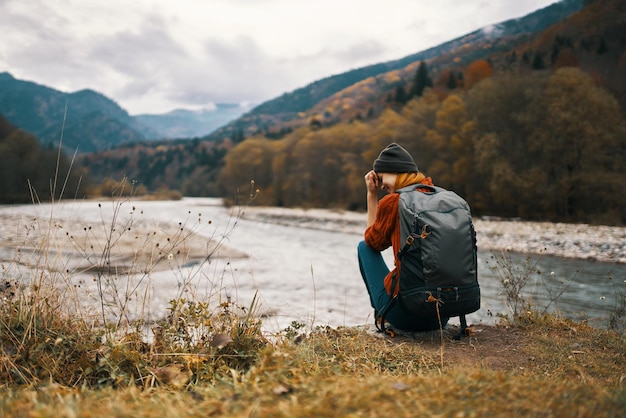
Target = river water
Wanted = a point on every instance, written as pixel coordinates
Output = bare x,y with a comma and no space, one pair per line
310,275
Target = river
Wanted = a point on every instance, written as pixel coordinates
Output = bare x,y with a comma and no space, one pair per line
310,274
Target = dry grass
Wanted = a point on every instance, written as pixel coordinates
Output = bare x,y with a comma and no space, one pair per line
540,366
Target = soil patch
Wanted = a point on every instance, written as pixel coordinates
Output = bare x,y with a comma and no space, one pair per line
495,347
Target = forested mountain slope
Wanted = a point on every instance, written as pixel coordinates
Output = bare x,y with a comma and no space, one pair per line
295,108
88,120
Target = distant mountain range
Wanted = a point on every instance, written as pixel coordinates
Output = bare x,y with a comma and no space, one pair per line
88,121
181,123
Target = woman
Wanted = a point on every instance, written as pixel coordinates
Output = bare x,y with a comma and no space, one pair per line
393,169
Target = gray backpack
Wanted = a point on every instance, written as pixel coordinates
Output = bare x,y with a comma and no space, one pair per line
438,260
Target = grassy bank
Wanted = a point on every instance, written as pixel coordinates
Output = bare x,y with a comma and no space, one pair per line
537,366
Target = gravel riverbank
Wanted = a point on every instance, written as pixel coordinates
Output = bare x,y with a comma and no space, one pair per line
599,243
591,242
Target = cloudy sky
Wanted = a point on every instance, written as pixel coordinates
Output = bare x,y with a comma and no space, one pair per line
152,56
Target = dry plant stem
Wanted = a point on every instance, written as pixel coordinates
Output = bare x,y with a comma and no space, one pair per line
440,333
228,229
616,321
105,259
108,277
552,295
69,170
53,186
314,298
513,279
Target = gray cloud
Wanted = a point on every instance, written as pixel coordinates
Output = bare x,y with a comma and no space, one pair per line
141,57
359,53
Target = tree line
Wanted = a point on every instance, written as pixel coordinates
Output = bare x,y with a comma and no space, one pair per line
32,173
546,146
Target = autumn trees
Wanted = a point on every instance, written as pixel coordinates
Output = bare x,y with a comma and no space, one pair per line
549,146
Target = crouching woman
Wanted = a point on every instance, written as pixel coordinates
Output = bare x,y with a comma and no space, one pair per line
393,169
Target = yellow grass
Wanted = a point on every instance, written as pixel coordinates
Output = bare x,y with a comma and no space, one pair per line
540,366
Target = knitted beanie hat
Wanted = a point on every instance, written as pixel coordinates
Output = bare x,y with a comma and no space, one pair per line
395,159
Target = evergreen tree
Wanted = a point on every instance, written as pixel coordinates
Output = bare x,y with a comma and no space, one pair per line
422,80
451,81
400,95
538,63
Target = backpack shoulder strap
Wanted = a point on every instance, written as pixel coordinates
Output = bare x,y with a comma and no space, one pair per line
416,187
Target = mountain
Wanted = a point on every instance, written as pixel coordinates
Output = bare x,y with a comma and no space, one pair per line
592,39
294,108
87,120
92,122
182,123
530,126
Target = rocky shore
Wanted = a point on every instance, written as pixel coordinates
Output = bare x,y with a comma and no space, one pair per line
599,243
591,242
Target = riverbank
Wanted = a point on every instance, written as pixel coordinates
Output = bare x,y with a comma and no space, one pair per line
591,242
117,244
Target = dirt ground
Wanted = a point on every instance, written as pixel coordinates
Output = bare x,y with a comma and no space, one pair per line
546,345
496,347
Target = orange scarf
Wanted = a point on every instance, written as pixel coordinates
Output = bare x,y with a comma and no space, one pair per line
406,179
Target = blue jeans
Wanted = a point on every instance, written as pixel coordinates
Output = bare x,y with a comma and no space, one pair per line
373,270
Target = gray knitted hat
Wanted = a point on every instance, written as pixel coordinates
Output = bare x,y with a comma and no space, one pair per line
395,159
